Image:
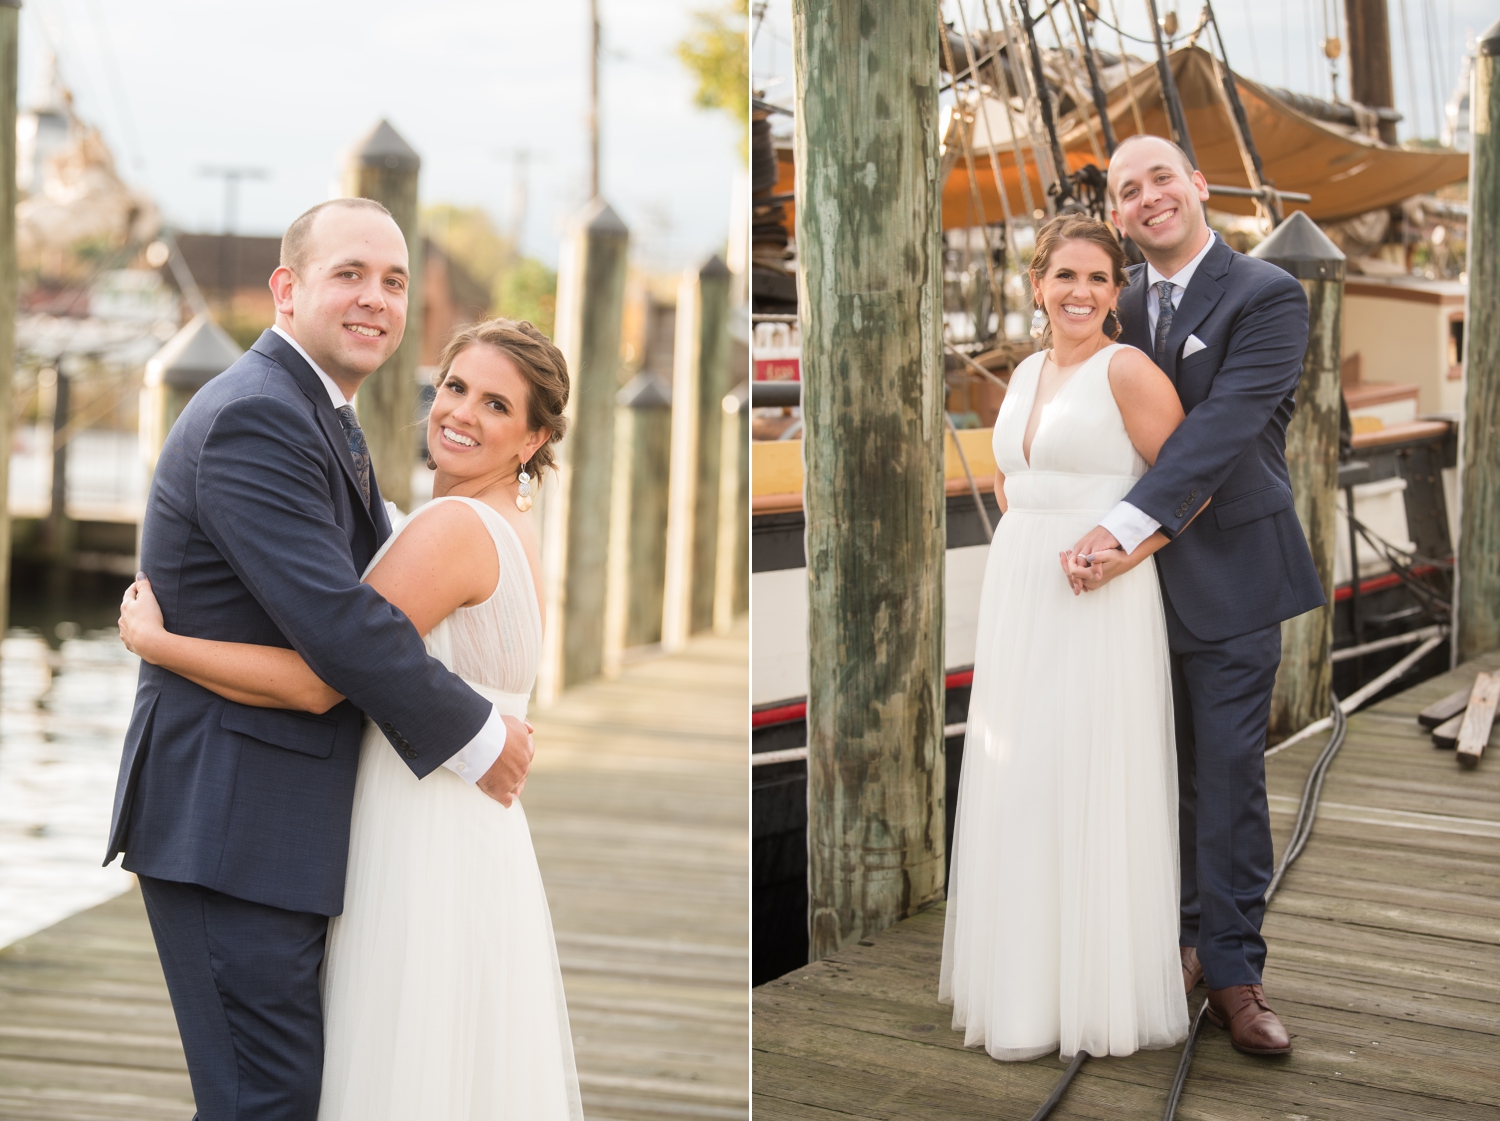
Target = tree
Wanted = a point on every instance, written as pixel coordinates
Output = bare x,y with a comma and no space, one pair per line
717,51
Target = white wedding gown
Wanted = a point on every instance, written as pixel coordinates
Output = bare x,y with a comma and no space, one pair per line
442,997
1062,913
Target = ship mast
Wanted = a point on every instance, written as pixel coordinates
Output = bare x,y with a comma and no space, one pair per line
1370,78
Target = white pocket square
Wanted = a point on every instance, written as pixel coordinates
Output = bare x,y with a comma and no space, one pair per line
1193,345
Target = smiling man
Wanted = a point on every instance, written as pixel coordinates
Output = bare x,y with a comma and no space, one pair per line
263,514
1231,332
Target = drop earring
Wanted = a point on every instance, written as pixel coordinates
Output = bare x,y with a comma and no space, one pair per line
431,463
1038,323
523,495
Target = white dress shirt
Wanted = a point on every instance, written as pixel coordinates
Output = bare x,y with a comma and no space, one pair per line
479,755
1128,523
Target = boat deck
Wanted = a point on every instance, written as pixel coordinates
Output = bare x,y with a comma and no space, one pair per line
1384,963
638,812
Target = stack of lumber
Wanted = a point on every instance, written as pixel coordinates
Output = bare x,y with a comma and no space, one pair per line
1463,720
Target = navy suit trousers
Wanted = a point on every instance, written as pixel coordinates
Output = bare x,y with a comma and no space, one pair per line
244,983
1221,694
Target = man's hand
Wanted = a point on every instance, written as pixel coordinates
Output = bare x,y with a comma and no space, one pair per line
505,780
1096,540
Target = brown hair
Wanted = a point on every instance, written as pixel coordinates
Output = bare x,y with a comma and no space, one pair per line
294,242
540,363
1077,227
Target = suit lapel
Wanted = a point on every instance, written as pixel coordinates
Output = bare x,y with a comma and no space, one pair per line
273,346
1202,295
1136,328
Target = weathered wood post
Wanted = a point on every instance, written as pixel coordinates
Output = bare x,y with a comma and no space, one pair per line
1305,678
870,297
1477,591
732,556
638,517
58,530
384,167
700,378
9,38
575,503
202,350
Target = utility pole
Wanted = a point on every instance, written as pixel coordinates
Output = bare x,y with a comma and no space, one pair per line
1371,80
384,167
9,38
228,250
593,99
1478,591
870,298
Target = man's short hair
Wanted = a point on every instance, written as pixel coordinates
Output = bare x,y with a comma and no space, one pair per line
1187,164
298,235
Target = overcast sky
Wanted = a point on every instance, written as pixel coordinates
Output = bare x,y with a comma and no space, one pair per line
1276,42
289,85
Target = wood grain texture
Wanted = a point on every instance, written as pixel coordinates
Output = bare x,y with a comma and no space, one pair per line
387,400
1477,614
1479,717
575,501
1304,680
1384,962
870,300
640,821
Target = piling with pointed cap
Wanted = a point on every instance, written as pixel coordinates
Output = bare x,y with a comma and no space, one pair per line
1477,611
9,39
638,518
700,378
575,504
1305,678
870,298
384,167
198,352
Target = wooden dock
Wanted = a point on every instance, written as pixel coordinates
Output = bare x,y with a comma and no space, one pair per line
1384,963
639,813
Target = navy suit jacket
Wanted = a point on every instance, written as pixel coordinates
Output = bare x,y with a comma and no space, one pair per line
1244,564
255,532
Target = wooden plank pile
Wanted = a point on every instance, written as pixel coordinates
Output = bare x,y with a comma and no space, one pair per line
1463,720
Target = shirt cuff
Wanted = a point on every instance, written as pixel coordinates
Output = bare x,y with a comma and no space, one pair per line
479,755
1129,526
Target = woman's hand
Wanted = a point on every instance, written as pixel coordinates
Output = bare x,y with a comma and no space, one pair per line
1090,573
141,622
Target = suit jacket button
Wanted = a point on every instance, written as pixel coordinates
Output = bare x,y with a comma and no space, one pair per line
387,727
410,754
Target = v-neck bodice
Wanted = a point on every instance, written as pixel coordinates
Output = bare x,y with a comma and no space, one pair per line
1081,455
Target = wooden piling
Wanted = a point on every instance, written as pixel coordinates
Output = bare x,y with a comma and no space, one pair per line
700,378
202,350
575,502
1477,591
1305,677
870,298
9,38
732,558
384,167
638,518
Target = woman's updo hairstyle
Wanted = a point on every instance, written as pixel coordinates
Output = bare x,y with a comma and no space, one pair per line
1076,227
540,363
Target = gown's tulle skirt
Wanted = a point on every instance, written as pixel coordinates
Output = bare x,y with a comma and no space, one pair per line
443,998
1062,920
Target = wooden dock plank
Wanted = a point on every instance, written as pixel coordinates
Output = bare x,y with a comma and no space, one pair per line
1384,962
638,809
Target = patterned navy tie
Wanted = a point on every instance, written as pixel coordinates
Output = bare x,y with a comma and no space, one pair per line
1164,311
354,435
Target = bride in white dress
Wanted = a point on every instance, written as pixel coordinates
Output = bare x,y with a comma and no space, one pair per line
1062,917
442,996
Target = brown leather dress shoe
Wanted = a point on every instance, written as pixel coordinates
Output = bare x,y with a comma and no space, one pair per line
1253,1028
1192,969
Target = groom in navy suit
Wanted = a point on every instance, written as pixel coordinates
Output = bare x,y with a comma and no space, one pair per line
1231,333
263,514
